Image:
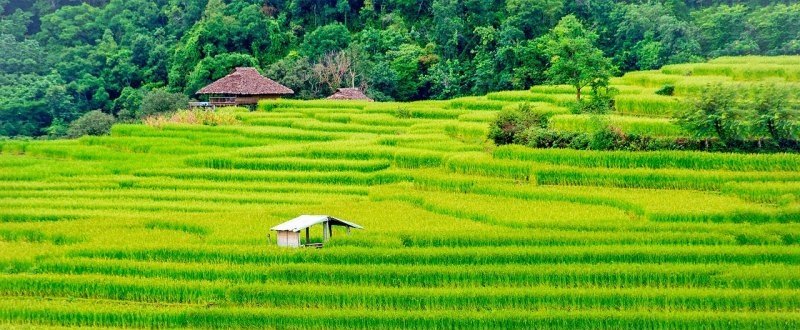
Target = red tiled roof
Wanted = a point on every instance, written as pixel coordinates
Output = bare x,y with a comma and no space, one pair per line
349,94
245,81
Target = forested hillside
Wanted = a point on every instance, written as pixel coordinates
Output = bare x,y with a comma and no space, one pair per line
63,58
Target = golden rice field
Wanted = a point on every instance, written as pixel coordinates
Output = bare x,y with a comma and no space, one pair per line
167,226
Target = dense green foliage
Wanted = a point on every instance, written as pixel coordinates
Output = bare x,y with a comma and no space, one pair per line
574,58
91,123
745,104
165,225
160,101
720,112
62,58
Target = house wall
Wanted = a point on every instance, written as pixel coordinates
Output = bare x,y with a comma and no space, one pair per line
255,98
288,238
294,239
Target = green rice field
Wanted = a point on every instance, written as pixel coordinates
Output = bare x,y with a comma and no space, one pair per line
168,226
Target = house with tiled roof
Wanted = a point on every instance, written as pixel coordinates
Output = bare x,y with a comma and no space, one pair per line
244,86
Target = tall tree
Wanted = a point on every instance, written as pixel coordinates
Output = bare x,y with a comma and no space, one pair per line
326,39
574,58
775,116
715,113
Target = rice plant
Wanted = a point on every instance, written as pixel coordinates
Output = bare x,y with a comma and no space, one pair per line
660,127
168,227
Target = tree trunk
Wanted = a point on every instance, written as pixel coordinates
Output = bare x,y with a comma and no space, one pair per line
706,142
578,94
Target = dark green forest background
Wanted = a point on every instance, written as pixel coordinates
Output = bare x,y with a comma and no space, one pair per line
62,58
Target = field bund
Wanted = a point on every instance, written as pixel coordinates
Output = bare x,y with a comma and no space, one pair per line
167,226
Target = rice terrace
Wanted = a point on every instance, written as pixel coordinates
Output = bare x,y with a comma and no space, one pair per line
166,226
395,164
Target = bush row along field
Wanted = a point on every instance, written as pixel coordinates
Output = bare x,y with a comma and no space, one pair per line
167,226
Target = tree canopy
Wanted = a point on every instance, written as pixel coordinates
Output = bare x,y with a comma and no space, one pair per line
574,59
64,58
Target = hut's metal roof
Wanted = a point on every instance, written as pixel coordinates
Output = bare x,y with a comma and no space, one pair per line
245,81
305,221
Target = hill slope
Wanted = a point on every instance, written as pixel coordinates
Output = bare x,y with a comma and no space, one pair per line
168,226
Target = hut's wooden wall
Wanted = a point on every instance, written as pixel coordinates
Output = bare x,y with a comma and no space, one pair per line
253,99
288,238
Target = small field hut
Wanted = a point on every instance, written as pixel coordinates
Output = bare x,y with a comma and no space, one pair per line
350,94
289,231
244,86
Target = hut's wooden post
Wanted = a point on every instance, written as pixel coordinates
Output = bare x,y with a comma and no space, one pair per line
326,231
348,230
307,236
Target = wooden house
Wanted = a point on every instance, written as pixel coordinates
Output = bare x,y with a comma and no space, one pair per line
243,87
289,231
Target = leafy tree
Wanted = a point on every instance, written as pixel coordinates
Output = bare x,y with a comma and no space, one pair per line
715,113
449,28
509,125
92,123
92,54
574,58
227,28
160,101
128,103
15,24
447,79
602,100
20,57
213,68
339,69
529,66
408,63
774,114
527,19
326,39
649,35
382,81
724,30
71,26
774,28
57,129
296,72
30,102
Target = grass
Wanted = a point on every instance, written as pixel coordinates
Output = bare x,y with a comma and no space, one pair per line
168,226
647,105
658,127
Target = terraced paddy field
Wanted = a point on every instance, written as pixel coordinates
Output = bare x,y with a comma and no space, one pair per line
166,227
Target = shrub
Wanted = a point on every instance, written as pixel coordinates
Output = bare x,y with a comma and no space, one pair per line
579,141
160,101
610,138
716,113
774,115
195,117
128,103
58,128
602,100
510,123
91,123
538,137
505,127
402,112
531,117
666,90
